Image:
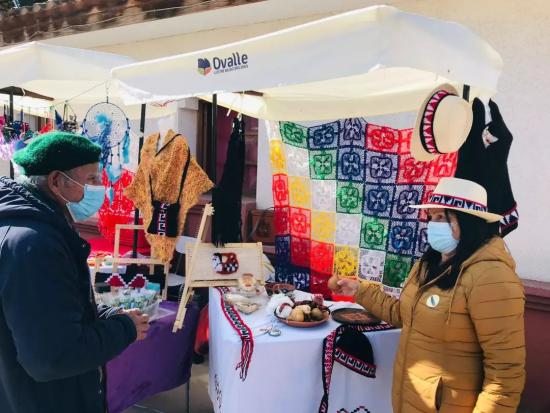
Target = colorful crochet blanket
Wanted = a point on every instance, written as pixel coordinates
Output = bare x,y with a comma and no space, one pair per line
341,193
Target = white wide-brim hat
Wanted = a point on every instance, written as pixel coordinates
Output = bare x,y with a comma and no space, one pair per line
442,124
460,195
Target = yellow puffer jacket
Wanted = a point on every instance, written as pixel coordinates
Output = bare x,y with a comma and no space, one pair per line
461,350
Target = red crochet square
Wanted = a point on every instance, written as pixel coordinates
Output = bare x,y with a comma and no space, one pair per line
382,139
318,284
282,220
322,257
280,190
411,171
300,250
443,166
300,222
405,136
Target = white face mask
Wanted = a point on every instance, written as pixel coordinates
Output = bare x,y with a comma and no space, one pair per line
440,237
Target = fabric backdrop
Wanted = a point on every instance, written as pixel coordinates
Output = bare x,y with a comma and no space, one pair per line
341,193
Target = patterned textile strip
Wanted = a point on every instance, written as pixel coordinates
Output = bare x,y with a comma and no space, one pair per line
244,332
330,354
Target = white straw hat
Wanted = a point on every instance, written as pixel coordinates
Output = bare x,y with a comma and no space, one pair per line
442,124
460,195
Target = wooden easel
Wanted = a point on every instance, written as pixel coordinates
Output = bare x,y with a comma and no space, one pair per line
187,290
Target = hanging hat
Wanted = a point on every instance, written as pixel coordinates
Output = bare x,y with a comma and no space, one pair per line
460,195
56,151
354,351
442,124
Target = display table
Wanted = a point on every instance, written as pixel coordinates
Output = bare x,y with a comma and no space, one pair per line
159,363
285,373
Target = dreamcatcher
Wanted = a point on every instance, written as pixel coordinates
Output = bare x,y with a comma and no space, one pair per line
107,125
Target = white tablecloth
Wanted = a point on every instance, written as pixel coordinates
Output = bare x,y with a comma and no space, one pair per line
285,372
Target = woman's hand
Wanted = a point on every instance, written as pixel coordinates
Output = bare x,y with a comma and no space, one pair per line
344,286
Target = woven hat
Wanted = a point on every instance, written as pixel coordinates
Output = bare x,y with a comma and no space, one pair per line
56,151
442,124
460,195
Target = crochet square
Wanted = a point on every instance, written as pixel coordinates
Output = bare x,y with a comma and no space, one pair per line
323,195
346,261
297,161
324,136
396,270
322,257
322,164
300,222
402,237
378,199
412,171
318,284
282,249
381,167
323,226
441,167
405,136
353,132
300,191
371,264
348,229
277,156
351,164
280,190
300,251
406,195
349,197
293,134
374,233
382,139
281,218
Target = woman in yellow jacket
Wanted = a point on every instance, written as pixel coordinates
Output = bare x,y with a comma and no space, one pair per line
462,346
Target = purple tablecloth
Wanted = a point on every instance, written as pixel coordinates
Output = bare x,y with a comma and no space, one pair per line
159,363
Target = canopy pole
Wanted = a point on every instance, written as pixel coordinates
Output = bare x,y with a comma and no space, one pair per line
213,137
136,212
466,92
12,172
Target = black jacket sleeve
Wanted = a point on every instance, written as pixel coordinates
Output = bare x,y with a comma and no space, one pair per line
43,304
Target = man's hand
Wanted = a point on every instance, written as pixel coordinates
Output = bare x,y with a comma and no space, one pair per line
344,286
141,321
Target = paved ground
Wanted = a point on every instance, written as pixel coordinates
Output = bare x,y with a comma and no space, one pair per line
174,401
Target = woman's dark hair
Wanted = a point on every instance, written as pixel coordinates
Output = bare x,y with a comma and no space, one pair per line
474,233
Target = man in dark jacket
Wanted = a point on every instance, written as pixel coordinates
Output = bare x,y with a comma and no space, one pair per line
54,340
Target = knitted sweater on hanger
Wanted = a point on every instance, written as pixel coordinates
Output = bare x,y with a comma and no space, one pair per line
165,168
483,159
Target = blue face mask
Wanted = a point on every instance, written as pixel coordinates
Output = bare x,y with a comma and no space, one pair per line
93,198
440,237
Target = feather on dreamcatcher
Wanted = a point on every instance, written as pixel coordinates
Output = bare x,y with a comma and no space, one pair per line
107,125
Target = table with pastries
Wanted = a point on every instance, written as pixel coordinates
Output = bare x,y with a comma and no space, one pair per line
254,372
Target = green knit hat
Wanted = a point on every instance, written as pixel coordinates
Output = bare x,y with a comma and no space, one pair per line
56,151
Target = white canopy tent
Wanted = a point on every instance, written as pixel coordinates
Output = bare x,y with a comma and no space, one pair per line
371,61
81,77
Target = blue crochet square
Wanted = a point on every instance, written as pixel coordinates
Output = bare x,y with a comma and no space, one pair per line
378,200
351,164
353,132
323,136
402,237
406,195
381,167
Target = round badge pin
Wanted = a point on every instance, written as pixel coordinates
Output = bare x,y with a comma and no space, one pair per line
432,301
